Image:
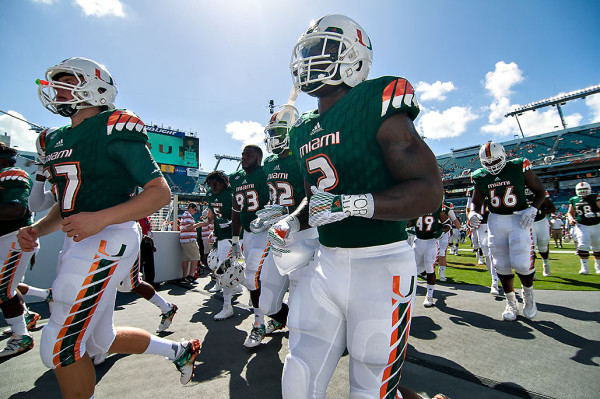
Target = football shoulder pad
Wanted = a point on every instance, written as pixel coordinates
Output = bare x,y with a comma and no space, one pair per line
14,178
125,125
398,95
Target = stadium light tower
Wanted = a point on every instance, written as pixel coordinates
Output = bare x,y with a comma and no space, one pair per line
553,101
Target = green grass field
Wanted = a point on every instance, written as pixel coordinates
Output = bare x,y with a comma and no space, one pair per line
564,267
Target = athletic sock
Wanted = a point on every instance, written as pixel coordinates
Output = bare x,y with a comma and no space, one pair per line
17,325
430,289
259,317
160,303
511,297
163,347
40,293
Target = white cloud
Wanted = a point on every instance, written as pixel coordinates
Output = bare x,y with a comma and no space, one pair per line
449,123
44,1
435,91
248,132
101,8
500,81
593,102
20,135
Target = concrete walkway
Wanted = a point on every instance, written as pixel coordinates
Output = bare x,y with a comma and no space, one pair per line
460,347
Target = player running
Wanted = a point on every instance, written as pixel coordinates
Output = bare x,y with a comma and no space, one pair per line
584,216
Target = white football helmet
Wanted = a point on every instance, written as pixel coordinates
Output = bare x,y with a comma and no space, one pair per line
334,50
212,259
277,131
583,188
492,157
96,87
230,273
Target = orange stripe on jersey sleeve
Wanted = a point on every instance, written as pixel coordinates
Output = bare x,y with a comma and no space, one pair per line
526,164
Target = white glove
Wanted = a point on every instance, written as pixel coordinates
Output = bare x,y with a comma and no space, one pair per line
325,208
280,234
266,217
475,219
528,216
236,249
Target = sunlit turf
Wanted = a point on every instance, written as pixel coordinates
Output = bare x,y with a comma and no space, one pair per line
564,268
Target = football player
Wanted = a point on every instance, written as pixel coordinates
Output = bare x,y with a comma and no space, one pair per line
584,216
500,184
480,235
96,164
367,172
428,229
219,197
540,230
452,222
286,187
42,199
15,186
250,193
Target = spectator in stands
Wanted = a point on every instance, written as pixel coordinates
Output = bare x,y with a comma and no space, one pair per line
557,225
207,241
189,244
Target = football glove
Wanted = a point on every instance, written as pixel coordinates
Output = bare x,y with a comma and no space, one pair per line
528,216
475,219
280,234
325,208
266,217
236,248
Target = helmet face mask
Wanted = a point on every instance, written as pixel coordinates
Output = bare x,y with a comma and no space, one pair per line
492,157
334,50
277,137
230,273
94,87
583,188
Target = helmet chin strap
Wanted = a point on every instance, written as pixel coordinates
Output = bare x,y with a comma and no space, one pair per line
67,110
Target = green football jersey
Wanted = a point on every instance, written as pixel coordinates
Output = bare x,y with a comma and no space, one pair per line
338,152
87,178
428,226
15,186
505,192
286,184
586,209
220,205
251,193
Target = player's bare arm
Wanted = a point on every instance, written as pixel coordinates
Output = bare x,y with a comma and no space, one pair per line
155,195
419,189
571,215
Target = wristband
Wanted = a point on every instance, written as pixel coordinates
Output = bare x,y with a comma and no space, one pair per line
361,205
235,239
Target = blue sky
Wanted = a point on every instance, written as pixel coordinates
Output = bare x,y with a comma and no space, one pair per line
211,66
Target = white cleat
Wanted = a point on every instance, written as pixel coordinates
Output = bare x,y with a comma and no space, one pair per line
529,308
442,276
511,311
428,302
494,289
583,270
215,288
546,272
256,336
225,313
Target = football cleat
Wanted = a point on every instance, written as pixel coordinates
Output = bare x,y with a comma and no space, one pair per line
428,302
185,361
273,326
215,288
225,313
546,272
583,270
529,307
167,319
17,344
511,311
494,290
442,273
256,336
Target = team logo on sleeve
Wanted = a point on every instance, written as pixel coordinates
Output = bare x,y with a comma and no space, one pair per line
399,92
124,119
